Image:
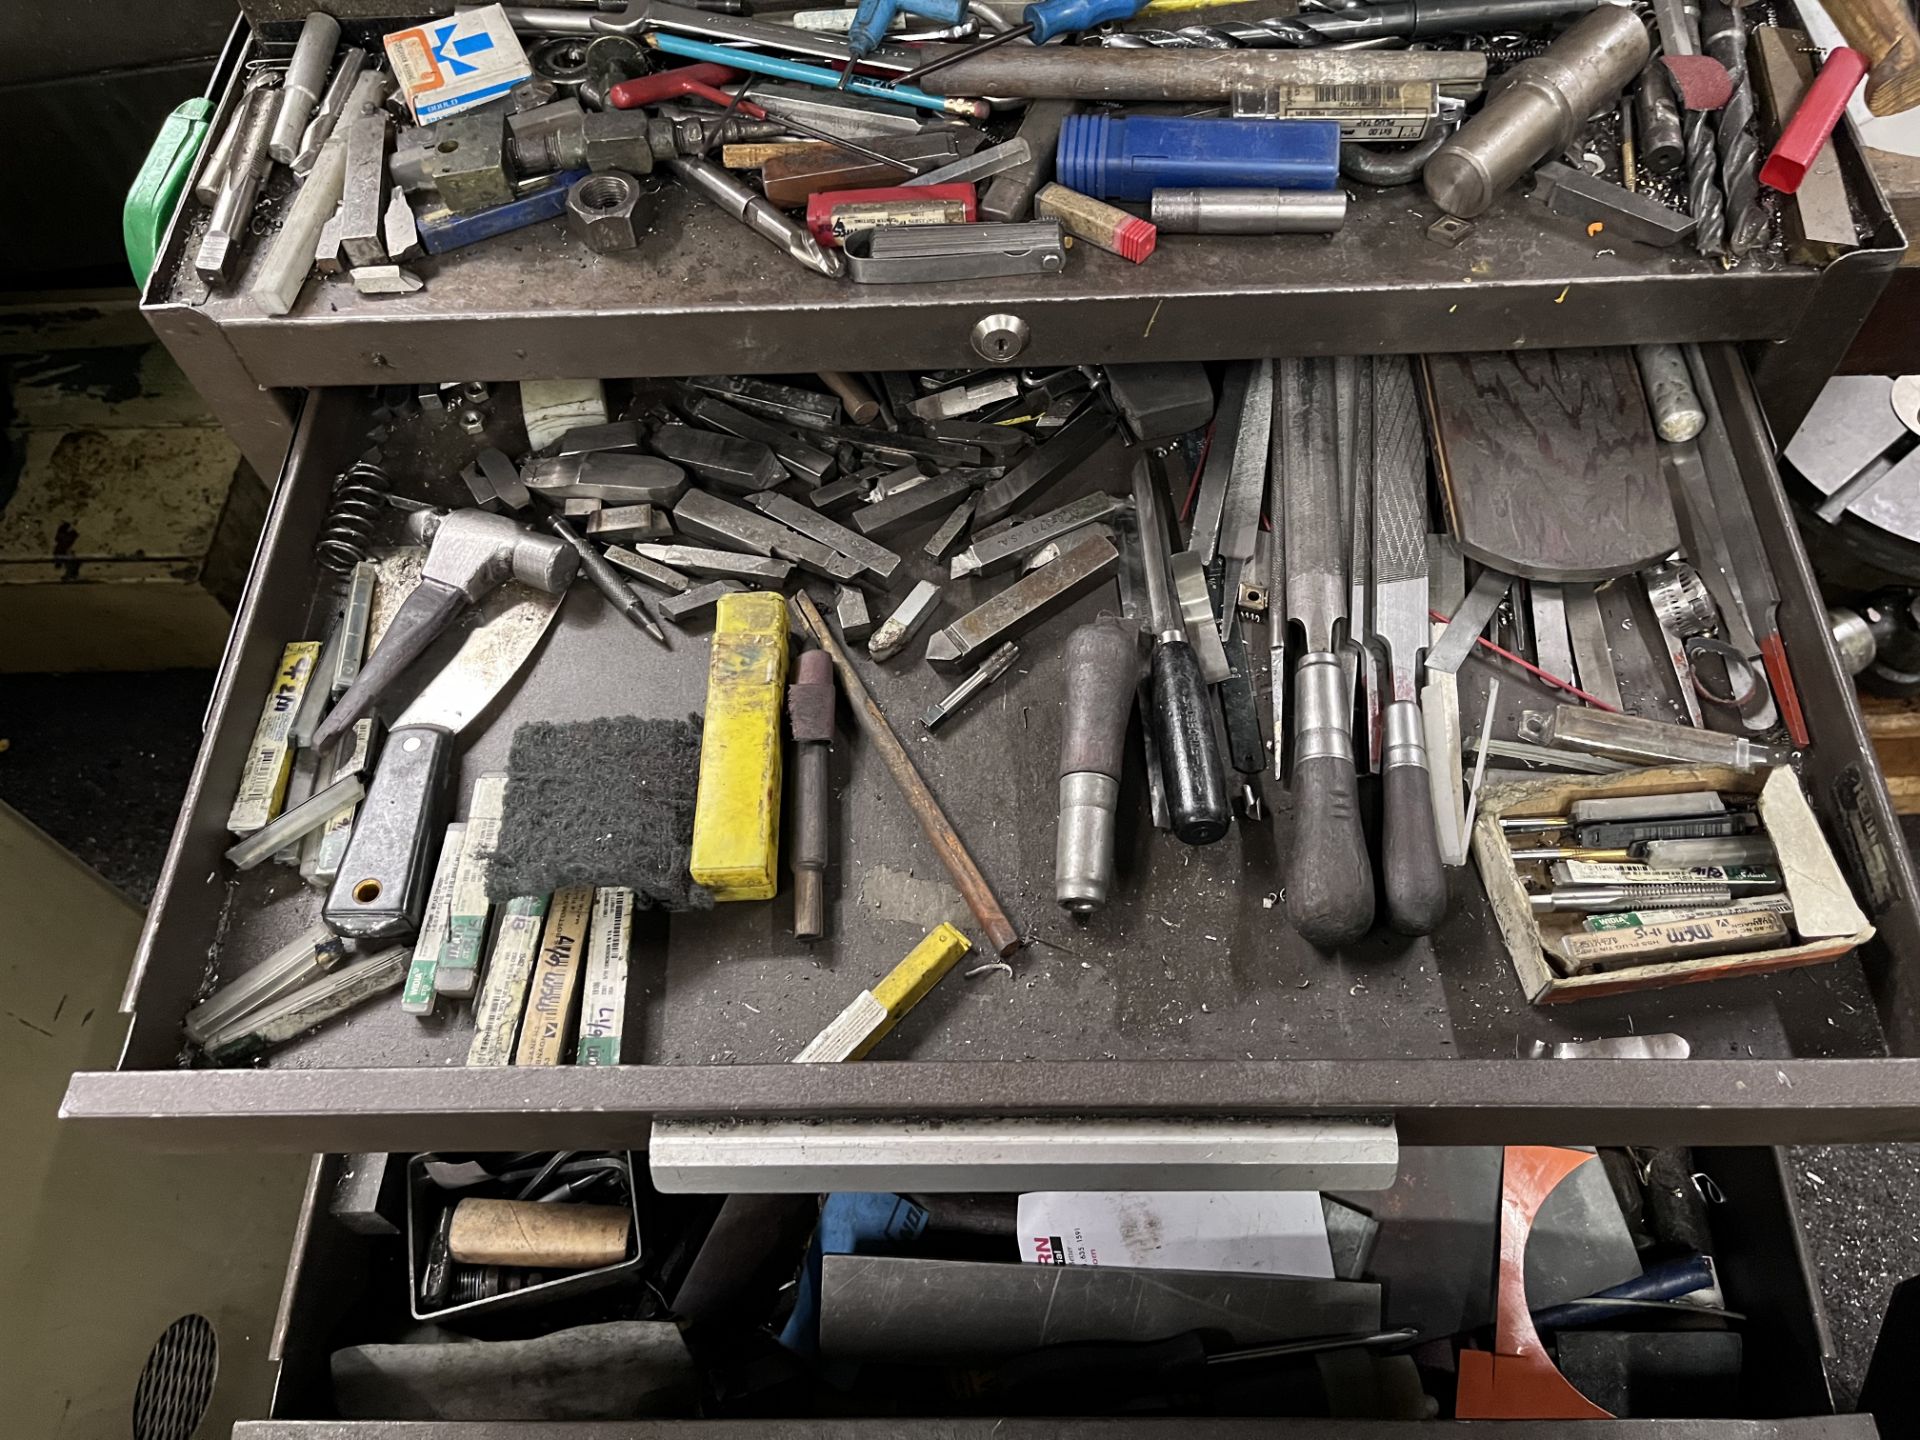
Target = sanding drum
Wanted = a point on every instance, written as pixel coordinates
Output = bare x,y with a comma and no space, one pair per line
1534,109
538,1236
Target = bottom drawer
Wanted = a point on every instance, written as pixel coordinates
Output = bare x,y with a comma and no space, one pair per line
1438,1221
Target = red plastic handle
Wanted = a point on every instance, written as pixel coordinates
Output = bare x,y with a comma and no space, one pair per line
1819,111
669,84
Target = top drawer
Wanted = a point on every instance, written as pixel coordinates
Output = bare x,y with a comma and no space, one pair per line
703,295
1186,997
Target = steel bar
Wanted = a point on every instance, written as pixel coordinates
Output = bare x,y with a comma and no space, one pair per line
1006,550
876,560
812,465
1001,933
720,564
701,516
1055,72
1024,604
1358,24
1592,657
1466,623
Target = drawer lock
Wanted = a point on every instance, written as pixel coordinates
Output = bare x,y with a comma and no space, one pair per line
1000,338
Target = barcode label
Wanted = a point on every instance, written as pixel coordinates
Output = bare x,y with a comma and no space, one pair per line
603,1005
1355,94
1366,112
263,783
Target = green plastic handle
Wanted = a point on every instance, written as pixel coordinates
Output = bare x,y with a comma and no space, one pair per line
163,175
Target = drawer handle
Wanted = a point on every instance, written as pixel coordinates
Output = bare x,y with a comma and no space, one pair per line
700,1157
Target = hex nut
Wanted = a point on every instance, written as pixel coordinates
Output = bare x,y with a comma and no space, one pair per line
618,140
600,210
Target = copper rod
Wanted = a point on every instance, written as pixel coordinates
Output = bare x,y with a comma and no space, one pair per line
973,887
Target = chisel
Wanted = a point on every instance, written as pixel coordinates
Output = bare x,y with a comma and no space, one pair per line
381,888
1330,885
1416,885
1180,716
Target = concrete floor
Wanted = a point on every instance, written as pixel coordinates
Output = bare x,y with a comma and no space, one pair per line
105,781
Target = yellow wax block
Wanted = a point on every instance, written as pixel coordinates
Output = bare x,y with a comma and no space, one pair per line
909,981
872,1013
736,818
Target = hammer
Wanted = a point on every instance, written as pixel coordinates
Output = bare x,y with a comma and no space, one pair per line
471,553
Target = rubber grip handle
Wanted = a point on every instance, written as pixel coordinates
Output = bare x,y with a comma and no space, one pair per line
381,890
1773,657
1195,780
667,85
1330,882
1103,675
1416,885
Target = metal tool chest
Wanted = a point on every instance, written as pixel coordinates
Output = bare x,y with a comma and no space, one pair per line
1201,1004
1190,1001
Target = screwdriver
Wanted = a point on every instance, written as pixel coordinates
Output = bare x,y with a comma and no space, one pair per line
1181,715
1042,22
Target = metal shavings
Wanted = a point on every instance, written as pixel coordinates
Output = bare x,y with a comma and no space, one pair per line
988,969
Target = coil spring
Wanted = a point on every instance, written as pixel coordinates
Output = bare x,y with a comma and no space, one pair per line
359,497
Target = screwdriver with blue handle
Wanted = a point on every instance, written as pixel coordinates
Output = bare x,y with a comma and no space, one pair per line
1041,22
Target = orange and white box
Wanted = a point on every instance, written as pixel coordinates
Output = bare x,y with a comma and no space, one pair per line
453,64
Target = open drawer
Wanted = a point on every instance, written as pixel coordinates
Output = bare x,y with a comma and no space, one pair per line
345,1288
1188,998
703,295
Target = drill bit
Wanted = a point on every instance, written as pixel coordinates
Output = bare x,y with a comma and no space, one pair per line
1679,36
1724,35
1292,33
1358,24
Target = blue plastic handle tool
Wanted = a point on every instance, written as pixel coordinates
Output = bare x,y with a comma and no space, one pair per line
807,74
873,18
1128,158
1068,17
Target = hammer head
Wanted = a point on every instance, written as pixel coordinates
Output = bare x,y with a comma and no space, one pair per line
475,552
